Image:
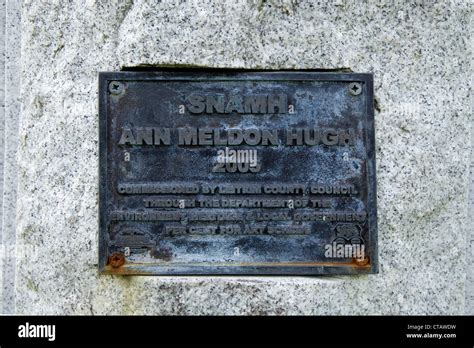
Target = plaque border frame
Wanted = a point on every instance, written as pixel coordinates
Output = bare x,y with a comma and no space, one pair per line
288,269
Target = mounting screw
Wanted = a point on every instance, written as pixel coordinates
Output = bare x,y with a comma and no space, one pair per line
361,261
116,87
355,88
116,259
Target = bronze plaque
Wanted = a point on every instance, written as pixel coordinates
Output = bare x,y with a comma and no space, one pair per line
232,172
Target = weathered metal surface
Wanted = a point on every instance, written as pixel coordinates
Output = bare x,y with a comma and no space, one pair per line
237,173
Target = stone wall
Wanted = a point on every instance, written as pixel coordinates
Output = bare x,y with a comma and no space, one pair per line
11,111
420,54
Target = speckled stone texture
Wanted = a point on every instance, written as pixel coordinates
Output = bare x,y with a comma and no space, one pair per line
2,134
470,246
419,52
12,109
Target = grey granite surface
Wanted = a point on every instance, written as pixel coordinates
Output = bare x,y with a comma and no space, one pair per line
12,109
419,53
2,131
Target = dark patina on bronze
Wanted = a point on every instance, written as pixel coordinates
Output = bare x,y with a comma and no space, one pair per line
237,172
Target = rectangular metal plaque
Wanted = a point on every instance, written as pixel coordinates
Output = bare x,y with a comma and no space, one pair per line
237,173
